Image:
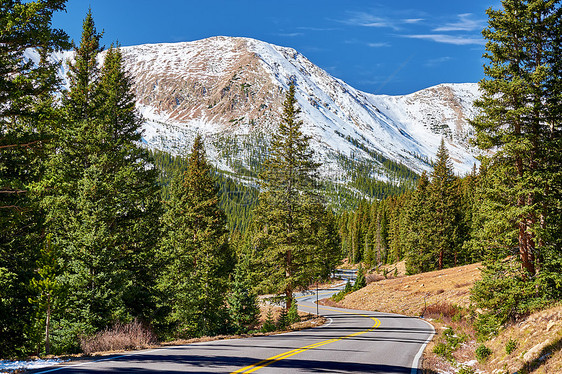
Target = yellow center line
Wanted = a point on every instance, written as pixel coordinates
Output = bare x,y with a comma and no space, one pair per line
284,355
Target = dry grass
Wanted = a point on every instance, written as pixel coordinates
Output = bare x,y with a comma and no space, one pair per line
538,349
133,335
393,270
409,295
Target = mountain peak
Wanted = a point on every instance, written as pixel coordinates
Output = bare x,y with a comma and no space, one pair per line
231,90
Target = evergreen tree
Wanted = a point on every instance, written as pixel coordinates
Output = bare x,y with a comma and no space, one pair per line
243,306
195,251
25,119
102,204
520,120
444,202
381,235
293,313
418,243
289,213
360,282
83,74
47,288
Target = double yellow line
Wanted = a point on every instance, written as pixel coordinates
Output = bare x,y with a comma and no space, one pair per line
282,356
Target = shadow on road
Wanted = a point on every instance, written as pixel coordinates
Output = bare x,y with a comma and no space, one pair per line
141,364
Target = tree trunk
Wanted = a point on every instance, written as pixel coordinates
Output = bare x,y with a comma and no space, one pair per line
289,288
48,327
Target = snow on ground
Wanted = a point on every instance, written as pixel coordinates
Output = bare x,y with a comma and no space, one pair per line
7,366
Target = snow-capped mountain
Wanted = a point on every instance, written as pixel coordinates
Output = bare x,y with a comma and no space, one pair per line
231,91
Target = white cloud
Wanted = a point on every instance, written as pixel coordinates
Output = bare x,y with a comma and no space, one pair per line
448,39
310,28
413,20
465,23
291,34
378,45
369,20
437,61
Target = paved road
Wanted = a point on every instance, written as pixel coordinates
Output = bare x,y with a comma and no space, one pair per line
351,342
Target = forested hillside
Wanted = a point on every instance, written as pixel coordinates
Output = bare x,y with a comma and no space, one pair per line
429,226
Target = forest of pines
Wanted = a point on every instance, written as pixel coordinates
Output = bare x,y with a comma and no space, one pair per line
95,230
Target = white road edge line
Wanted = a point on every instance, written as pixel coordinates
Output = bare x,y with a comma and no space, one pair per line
417,358
327,324
99,360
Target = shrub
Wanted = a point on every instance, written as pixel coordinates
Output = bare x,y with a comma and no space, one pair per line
510,346
466,370
443,350
293,315
133,335
268,324
483,352
487,325
445,311
452,339
440,349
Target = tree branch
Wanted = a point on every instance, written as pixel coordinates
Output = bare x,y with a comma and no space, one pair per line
19,145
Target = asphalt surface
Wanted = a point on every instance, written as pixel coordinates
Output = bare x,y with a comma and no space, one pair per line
351,342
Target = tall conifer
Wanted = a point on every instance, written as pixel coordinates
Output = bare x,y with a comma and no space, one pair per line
26,88
520,121
103,210
195,250
444,204
288,217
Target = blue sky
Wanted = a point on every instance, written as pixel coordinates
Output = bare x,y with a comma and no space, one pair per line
382,47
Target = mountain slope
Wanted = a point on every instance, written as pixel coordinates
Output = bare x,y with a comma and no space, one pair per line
231,90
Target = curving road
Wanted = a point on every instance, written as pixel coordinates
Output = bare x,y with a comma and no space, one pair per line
351,342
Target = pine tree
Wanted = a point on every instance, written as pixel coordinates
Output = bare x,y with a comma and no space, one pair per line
418,225
444,202
289,213
195,251
83,74
133,193
293,313
47,287
102,205
25,120
520,120
381,236
360,282
243,306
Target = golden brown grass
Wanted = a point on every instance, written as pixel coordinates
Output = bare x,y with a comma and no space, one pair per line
409,295
121,336
538,339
